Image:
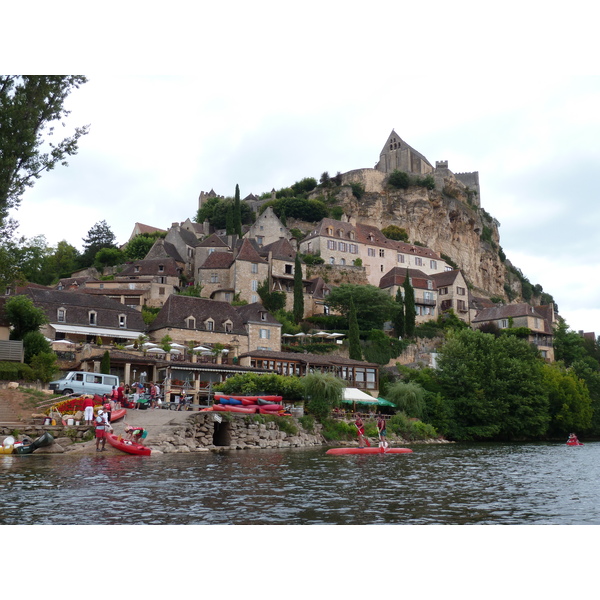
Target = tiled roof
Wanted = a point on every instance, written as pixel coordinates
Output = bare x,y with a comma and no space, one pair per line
178,308
507,311
318,288
150,266
445,278
248,253
397,275
281,250
212,241
218,260
254,312
148,228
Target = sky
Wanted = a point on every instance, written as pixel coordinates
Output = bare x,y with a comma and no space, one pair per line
245,94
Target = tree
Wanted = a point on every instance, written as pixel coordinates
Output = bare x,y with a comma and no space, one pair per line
237,212
373,305
138,247
354,351
408,397
272,301
191,290
399,179
44,366
23,316
298,291
325,179
34,342
30,105
230,219
64,260
399,317
108,257
494,387
322,392
105,363
98,237
393,232
410,312
569,346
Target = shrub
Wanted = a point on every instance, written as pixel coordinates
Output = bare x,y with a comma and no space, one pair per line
334,429
358,189
399,179
308,423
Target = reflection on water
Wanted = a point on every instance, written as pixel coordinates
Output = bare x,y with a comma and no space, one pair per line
440,484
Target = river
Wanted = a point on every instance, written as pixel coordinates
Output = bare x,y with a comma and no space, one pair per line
445,484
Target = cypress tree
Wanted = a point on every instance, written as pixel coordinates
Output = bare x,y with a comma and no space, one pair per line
410,312
229,220
237,212
105,363
354,350
399,323
298,291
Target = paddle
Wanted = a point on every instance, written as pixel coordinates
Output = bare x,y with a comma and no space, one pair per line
364,438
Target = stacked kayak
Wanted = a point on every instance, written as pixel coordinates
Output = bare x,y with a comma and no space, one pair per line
338,451
266,405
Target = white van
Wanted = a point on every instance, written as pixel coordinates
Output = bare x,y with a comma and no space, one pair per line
84,382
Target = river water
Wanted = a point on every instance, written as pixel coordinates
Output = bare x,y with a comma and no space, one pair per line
509,484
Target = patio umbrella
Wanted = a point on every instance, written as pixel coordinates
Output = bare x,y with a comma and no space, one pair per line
175,351
287,335
156,350
335,335
67,342
384,402
200,349
176,345
321,334
149,345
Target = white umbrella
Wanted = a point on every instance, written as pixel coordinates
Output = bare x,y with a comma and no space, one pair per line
149,345
175,351
336,335
130,347
66,342
176,345
302,334
157,350
288,335
200,349
321,334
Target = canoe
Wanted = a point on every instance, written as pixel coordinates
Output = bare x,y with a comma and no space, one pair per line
339,451
44,440
248,410
117,414
253,399
574,443
271,407
126,446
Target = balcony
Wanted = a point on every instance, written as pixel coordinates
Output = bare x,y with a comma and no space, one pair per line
425,302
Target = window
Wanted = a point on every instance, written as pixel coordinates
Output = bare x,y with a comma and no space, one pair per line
255,285
260,240
136,269
228,326
340,232
342,261
400,258
460,291
331,260
353,248
214,278
93,318
381,252
351,235
62,315
433,264
443,291
254,298
331,245
429,284
122,321
161,291
427,295
461,305
190,323
254,267
381,268
210,325
448,269
265,334
330,231
342,246
289,269
161,279
263,316
503,323
371,252
161,268
418,261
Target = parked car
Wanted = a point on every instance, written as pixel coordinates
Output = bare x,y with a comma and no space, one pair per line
83,382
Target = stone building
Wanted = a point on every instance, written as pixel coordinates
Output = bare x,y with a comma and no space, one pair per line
268,229
424,288
453,293
396,154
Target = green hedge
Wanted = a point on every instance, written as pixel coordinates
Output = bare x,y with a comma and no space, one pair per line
15,371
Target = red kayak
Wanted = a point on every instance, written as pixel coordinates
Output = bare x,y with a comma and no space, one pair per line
339,451
234,408
115,415
126,446
574,444
249,399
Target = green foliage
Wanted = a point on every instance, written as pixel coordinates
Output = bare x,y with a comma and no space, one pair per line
569,346
336,430
358,189
23,316
427,182
373,305
44,366
408,397
357,262
497,299
308,184
237,212
501,254
308,423
403,427
410,311
105,363
34,343
495,386
30,106
393,232
298,309
336,212
140,245
14,371
99,236
312,259
253,384
486,235
311,210
381,348
399,179
191,290
149,313
108,257
322,392
215,211
272,301
354,351
449,261
399,322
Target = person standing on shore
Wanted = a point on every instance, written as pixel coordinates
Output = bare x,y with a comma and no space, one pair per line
101,424
88,410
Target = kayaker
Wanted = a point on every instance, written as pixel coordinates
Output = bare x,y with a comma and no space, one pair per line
360,426
381,426
101,425
572,439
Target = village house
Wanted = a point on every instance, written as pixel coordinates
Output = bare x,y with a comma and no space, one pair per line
343,242
537,319
268,229
212,323
141,229
424,288
453,294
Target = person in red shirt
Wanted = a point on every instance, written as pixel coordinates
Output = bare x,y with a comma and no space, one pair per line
120,395
88,409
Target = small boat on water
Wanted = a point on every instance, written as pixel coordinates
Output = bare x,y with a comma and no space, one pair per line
339,451
573,441
126,445
44,440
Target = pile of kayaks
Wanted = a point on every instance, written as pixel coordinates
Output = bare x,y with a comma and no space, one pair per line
249,405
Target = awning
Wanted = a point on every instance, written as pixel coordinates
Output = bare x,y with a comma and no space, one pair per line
97,331
384,402
352,395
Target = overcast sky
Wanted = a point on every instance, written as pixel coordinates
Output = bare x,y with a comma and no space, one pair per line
247,95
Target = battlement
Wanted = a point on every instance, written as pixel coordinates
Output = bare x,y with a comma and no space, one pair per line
441,164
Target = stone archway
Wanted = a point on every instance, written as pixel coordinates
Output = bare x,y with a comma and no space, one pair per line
222,433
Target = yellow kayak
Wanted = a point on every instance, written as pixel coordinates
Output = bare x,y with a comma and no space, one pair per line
6,449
